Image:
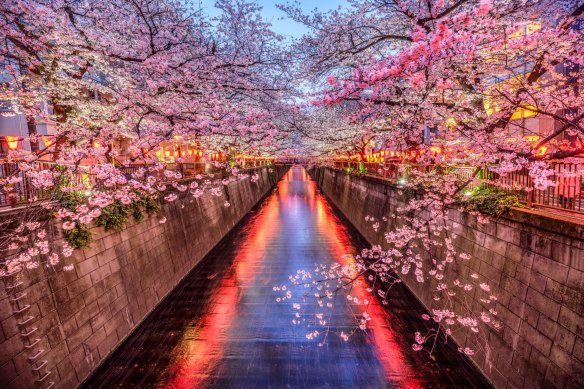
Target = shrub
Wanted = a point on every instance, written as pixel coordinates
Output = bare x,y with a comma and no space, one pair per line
491,201
78,237
113,217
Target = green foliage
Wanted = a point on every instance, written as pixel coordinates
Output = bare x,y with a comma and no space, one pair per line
149,205
137,213
114,216
78,237
71,200
490,201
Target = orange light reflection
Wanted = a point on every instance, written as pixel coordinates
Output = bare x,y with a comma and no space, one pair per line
202,346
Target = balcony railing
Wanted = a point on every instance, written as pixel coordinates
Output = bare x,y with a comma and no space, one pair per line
24,192
566,195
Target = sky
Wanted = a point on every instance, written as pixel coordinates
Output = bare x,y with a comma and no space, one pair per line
281,24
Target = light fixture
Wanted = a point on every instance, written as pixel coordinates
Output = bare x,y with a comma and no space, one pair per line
12,142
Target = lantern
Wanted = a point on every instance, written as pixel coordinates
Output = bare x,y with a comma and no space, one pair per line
541,152
12,142
46,141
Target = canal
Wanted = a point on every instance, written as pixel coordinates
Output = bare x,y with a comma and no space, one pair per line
222,327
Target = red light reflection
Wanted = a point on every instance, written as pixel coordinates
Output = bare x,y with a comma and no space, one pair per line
195,360
202,347
388,350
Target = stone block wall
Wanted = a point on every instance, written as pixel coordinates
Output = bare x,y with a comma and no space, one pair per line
56,327
533,263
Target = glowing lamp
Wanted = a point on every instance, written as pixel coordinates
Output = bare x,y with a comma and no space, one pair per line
46,141
542,151
200,153
12,142
167,153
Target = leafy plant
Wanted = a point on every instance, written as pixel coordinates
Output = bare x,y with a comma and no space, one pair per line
150,205
70,200
137,213
490,201
78,237
114,216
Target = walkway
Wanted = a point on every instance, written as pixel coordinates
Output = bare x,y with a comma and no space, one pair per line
222,328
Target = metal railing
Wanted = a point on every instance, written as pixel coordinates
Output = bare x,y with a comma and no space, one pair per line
566,194
24,192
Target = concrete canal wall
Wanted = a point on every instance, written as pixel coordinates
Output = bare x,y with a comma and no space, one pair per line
57,327
534,264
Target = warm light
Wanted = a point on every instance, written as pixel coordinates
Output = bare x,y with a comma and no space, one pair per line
200,153
46,141
435,149
529,28
167,153
542,151
96,145
12,142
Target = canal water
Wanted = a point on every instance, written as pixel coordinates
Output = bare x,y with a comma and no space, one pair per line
223,328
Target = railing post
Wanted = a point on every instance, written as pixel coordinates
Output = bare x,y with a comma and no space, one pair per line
530,190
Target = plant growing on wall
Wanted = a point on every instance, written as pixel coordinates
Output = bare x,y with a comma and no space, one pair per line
78,236
491,201
114,216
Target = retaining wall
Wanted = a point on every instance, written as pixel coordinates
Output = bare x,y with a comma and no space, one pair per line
533,263
66,323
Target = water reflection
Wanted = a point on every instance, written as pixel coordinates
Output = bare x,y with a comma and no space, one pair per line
223,328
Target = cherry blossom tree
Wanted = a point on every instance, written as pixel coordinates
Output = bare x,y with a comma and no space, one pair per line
138,72
481,73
